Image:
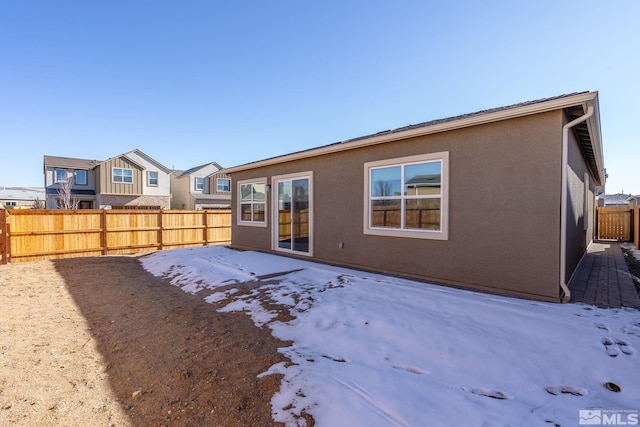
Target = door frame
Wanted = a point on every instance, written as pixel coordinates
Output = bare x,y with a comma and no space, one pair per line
275,214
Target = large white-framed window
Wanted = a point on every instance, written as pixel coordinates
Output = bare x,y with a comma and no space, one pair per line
60,175
223,184
80,177
252,202
122,175
199,184
408,197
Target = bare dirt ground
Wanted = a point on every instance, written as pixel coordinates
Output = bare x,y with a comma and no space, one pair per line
99,341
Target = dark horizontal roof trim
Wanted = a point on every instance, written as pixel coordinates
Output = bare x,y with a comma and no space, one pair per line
53,190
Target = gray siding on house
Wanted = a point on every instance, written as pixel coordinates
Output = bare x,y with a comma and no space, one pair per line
504,208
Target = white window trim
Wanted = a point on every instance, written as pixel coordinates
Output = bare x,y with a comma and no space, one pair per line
55,175
121,182
195,183
274,202
239,220
443,233
149,184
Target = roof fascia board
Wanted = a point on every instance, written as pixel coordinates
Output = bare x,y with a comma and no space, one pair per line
525,110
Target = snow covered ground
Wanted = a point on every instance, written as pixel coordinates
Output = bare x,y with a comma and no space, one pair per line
373,350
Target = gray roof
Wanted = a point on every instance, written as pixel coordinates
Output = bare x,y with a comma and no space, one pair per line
69,162
196,168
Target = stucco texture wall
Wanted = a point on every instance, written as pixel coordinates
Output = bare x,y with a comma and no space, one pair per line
504,212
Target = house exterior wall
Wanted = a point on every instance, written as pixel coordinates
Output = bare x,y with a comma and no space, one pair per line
105,184
213,184
580,206
504,208
164,182
180,197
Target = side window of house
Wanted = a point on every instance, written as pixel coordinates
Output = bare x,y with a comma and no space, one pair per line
223,184
152,178
252,203
200,184
408,197
61,175
122,175
80,177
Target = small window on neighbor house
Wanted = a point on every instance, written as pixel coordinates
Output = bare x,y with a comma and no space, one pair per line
408,197
224,184
80,177
252,203
61,175
122,175
10,203
152,178
200,184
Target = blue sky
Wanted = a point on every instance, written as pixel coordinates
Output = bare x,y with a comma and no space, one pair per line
189,82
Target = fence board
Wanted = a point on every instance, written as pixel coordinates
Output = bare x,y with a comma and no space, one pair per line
50,234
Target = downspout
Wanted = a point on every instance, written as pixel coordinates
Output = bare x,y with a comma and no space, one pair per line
563,201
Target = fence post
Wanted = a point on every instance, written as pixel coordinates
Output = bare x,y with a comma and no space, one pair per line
103,232
205,230
4,237
160,231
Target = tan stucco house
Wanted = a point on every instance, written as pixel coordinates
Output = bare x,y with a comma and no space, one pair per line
500,200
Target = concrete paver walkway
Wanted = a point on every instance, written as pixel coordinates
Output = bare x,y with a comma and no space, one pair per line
603,278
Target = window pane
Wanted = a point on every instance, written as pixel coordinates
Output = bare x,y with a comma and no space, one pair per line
245,211
422,179
61,175
258,212
385,213
258,191
245,192
81,177
385,181
422,214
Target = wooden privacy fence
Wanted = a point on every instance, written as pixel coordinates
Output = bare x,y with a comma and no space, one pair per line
32,235
620,223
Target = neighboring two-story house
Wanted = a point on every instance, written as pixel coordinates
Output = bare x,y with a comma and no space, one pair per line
80,173
202,187
132,180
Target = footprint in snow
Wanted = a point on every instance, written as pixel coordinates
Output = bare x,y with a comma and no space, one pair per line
494,394
411,369
334,358
625,347
614,348
566,389
610,347
602,326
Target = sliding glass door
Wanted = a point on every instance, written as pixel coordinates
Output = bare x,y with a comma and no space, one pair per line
293,216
